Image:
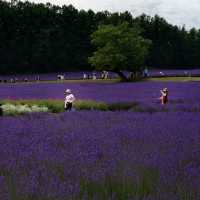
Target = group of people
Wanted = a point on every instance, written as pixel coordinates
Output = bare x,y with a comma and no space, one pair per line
88,76
104,75
16,80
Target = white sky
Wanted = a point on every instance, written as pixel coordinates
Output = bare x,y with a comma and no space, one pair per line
179,12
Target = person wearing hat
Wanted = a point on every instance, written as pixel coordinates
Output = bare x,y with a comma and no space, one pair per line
164,97
69,99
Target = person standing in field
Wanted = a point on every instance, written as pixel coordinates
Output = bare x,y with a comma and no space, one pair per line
94,76
106,75
103,75
146,72
69,99
84,76
164,96
1,110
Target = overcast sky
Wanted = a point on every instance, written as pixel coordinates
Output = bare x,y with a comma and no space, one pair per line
179,12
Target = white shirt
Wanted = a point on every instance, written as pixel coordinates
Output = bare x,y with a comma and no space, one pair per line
163,93
69,98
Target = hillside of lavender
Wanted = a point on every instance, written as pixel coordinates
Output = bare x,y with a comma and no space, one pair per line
95,155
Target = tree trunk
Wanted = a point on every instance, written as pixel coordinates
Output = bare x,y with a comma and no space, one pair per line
135,76
122,76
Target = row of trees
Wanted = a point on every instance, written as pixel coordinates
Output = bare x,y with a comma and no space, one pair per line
48,38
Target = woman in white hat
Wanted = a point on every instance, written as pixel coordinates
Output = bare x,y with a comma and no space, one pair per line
164,97
69,99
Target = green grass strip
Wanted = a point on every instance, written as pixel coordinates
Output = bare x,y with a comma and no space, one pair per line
57,106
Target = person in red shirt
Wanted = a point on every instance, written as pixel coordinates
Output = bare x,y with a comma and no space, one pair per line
164,96
1,110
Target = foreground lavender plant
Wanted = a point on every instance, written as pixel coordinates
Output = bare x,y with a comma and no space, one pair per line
98,155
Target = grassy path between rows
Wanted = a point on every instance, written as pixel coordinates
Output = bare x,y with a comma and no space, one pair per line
176,79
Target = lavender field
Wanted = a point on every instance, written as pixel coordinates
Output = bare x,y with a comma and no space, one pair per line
182,95
79,75
98,155
94,155
53,76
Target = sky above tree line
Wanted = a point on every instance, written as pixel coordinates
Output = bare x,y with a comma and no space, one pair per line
177,12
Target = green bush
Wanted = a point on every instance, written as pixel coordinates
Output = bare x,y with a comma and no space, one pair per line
122,106
13,110
57,106
91,105
54,106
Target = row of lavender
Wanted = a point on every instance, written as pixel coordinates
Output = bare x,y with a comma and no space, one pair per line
124,156
54,76
181,95
79,75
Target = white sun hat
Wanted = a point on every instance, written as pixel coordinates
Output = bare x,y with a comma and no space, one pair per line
68,91
165,89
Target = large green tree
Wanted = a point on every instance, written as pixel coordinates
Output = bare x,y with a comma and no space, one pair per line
119,48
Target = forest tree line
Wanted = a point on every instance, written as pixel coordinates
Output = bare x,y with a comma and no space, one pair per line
48,38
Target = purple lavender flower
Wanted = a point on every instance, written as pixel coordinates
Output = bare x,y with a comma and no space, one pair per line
101,155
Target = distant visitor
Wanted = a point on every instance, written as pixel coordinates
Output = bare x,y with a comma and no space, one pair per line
164,96
104,75
37,78
69,99
162,73
146,72
94,76
60,77
84,76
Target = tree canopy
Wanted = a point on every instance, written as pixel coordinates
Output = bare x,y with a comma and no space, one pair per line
119,48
